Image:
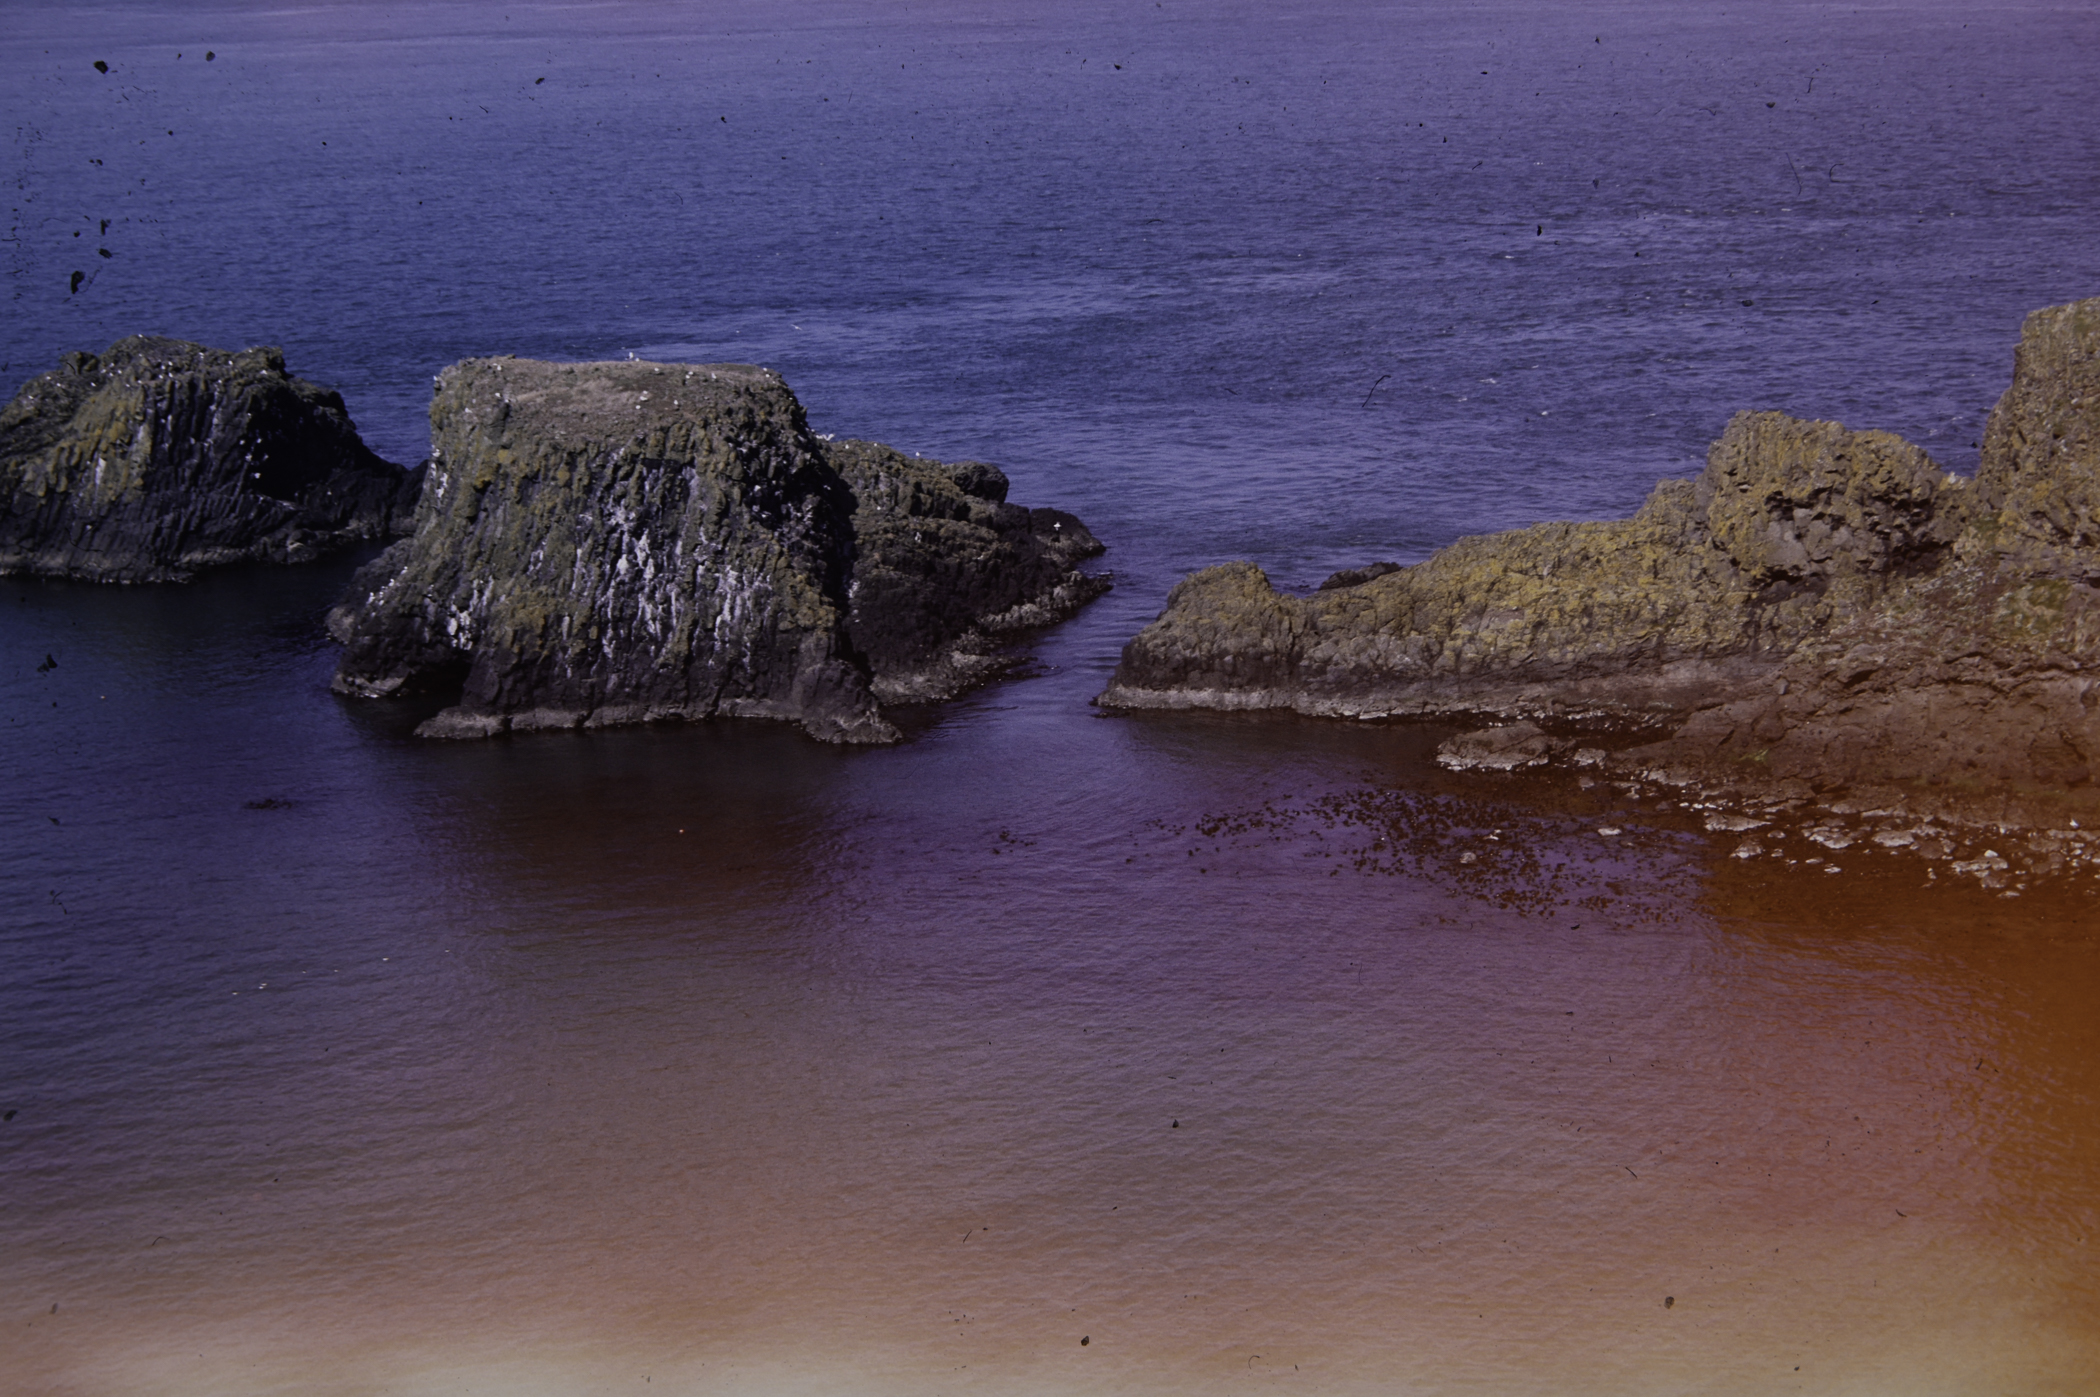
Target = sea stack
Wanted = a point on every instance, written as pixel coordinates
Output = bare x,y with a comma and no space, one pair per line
1818,605
161,458
630,541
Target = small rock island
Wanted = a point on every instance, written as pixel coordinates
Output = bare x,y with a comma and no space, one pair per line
161,458
1819,606
629,541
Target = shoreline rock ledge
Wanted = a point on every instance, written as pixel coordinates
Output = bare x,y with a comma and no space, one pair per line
1819,608
630,542
161,458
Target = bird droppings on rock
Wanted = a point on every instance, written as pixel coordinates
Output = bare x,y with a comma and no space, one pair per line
600,545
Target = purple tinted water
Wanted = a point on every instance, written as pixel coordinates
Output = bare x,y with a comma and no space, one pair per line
711,1057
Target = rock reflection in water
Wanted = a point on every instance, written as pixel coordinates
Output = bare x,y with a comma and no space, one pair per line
754,1067
344,1064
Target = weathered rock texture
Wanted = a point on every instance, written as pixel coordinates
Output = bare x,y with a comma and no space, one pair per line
1817,604
2039,479
944,567
1712,582
161,458
626,542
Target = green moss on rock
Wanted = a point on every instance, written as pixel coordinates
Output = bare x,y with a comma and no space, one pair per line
631,541
160,458
1822,604
1792,523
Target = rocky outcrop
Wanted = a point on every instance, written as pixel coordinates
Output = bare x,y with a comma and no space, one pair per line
944,569
1711,584
2038,482
161,458
1351,577
626,542
1976,677
1818,605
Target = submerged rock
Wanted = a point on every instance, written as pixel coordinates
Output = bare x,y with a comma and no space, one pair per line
1819,604
160,458
1512,747
626,542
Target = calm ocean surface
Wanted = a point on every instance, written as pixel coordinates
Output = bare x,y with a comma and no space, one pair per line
1049,1052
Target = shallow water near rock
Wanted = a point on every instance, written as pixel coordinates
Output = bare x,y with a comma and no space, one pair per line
1259,1053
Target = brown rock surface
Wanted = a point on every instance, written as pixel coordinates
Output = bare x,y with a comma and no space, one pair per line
1818,605
944,568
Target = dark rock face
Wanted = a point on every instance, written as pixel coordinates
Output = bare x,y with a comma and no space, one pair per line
1356,577
161,458
1800,504
1819,605
609,543
626,542
944,567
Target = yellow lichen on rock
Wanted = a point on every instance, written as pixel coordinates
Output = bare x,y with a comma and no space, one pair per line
1818,603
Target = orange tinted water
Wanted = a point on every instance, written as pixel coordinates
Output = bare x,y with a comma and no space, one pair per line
711,1060
714,1062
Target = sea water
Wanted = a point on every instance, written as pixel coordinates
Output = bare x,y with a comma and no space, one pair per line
1051,1051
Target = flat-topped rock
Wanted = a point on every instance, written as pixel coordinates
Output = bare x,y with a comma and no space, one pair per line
161,458
628,541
